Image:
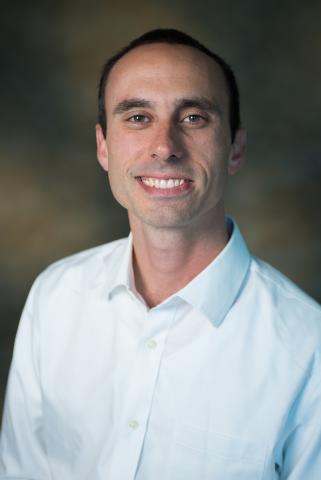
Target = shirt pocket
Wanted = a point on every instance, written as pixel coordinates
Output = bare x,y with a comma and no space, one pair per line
199,454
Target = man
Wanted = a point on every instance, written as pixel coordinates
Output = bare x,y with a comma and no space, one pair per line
172,354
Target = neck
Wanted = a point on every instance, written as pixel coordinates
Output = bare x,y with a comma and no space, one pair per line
165,260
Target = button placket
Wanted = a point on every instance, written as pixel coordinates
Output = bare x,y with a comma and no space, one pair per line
143,380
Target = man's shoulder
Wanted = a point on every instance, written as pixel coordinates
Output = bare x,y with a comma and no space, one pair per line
281,287
294,316
81,268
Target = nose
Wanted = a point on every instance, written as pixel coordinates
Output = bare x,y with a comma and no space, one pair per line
166,144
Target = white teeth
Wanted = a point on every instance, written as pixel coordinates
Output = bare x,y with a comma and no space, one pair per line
162,183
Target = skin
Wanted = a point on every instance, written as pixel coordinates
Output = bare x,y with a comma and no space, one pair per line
167,113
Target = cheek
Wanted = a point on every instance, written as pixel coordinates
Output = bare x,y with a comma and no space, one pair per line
114,181
116,170
123,156
125,151
118,187
212,155
213,163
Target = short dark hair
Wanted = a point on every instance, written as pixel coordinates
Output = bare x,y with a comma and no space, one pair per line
172,36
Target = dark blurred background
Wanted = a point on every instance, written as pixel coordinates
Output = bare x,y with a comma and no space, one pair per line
54,199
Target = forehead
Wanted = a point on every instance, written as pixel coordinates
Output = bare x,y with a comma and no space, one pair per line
165,71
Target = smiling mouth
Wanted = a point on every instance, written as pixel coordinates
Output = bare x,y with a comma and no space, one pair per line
165,187
162,183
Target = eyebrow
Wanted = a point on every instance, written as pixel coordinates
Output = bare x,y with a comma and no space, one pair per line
202,103
130,103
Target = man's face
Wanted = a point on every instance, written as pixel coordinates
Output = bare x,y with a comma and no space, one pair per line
168,145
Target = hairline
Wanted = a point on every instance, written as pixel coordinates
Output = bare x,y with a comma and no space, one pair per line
195,98
226,71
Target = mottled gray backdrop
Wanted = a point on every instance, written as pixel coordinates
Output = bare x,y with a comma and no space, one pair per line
53,195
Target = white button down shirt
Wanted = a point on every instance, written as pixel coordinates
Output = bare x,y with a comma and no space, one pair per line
222,381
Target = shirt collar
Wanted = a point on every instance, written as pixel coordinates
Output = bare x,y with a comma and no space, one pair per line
213,291
121,271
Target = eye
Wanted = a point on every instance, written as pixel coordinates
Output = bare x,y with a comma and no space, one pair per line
138,119
194,119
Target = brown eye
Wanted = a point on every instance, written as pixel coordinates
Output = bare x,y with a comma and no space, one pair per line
194,119
138,119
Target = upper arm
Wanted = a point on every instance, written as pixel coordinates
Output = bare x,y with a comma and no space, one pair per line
22,446
302,445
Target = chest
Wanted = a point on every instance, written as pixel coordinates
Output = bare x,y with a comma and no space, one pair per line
179,395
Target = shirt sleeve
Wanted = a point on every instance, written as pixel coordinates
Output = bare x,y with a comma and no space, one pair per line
22,447
302,448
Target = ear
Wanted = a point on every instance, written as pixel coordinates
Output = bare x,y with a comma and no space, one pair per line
238,150
102,151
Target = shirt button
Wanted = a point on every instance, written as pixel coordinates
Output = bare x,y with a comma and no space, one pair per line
133,424
152,344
